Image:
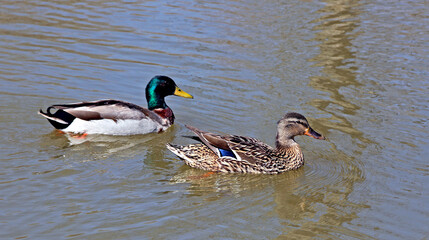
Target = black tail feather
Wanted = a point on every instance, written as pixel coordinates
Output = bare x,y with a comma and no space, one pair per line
59,119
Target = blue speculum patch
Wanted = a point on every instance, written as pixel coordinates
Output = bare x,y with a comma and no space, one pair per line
224,153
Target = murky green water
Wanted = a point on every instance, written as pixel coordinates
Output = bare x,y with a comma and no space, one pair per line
357,69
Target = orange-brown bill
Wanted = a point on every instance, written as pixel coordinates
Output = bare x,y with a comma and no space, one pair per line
310,132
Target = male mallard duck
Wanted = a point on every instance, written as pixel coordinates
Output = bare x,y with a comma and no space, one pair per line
116,117
230,153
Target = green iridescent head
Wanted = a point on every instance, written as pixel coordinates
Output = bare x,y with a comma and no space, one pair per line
158,88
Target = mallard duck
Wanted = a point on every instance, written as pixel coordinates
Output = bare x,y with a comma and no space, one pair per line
116,117
231,153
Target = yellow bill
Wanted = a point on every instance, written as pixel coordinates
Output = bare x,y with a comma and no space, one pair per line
179,92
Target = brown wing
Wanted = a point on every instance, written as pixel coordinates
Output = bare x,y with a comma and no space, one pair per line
107,109
213,141
249,149
246,148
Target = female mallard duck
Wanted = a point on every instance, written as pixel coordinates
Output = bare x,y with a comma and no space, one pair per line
116,117
230,153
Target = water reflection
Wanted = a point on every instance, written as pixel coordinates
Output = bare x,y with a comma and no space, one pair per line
309,207
98,147
335,32
207,183
316,214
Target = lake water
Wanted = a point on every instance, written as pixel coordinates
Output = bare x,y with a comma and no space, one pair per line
358,70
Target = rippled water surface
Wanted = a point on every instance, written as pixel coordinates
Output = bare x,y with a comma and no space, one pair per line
358,70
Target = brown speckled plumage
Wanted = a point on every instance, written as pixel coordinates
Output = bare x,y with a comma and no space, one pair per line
249,154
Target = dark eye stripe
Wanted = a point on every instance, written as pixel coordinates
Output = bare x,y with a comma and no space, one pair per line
298,122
